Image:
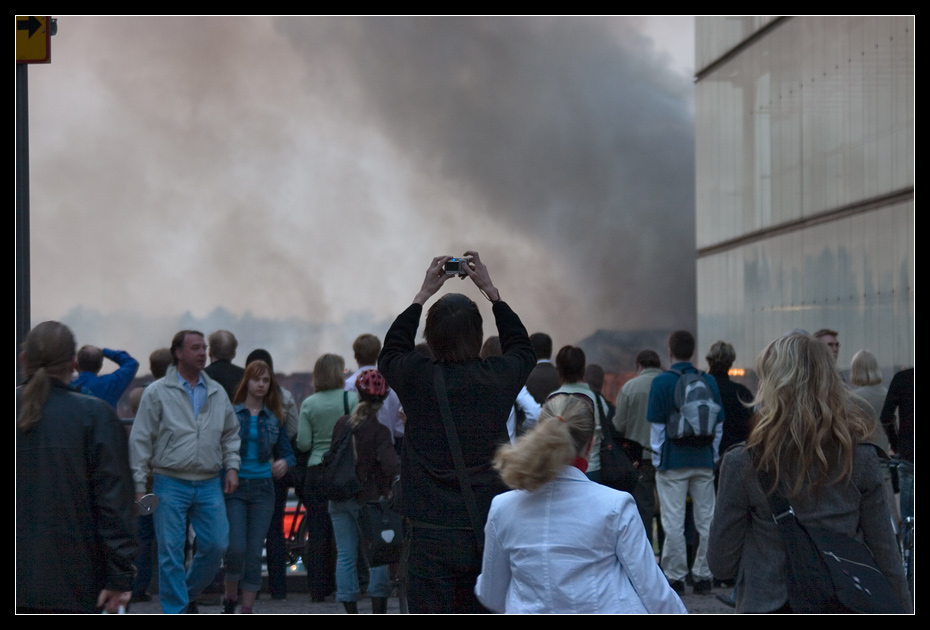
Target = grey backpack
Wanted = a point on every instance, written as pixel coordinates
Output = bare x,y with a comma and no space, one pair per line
694,419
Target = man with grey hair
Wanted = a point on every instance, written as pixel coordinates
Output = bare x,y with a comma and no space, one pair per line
222,350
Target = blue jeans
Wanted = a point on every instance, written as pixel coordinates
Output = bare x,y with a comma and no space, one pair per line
201,502
249,511
344,515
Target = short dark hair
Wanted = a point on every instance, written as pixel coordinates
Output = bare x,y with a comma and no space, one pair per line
90,359
569,363
453,328
366,347
823,332
177,342
594,377
720,357
159,361
648,359
542,345
681,344
260,354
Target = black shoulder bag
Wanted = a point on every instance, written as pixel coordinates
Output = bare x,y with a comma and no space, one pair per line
828,572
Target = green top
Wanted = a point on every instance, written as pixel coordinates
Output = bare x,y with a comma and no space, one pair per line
318,416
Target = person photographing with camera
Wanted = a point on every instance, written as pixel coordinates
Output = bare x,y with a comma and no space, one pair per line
457,408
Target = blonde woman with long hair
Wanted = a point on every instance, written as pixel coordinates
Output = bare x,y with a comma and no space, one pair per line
808,439
559,542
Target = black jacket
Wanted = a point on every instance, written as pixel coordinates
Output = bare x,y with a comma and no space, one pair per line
74,505
226,374
481,393
542,381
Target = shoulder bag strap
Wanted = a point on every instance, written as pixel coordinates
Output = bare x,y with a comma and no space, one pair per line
455,447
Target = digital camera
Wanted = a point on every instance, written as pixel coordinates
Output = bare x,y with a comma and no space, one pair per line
455,266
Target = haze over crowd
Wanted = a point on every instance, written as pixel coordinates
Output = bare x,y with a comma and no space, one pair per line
290,178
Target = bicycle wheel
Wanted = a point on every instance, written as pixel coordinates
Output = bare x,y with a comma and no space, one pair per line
298,544
296,541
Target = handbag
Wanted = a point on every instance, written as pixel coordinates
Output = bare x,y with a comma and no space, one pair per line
828,572
617,471
382,531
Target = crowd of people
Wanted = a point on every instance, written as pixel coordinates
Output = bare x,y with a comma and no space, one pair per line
503,464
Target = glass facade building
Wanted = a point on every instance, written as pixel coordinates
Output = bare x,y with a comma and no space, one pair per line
804,132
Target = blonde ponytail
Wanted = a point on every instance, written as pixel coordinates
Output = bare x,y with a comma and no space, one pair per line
566,425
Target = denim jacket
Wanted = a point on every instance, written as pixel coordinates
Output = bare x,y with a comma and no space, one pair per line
271,440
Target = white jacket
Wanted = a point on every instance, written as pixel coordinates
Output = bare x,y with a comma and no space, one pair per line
168,438
572,546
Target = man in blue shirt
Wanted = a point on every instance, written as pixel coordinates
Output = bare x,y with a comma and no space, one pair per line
111,386
187,434
683,467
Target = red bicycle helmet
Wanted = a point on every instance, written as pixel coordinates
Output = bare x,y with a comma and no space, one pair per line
371,385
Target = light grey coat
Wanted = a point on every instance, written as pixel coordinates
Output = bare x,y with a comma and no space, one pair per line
168,438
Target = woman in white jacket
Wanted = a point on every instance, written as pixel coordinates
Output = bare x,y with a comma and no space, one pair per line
559,542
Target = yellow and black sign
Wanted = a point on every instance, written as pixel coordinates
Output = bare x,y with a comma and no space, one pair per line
33,39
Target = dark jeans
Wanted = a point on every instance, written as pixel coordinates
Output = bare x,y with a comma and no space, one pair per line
645,496
320,554
144,561
248,511
275,550
444,565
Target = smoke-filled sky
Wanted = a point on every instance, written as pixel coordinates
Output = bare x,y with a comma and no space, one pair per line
292,178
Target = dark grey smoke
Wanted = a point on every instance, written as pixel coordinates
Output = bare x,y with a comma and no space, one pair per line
556,128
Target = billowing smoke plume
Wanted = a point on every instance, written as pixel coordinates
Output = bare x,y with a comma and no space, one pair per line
557,128
309,168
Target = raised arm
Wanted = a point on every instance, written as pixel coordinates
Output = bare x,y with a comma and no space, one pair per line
478,273
435,278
